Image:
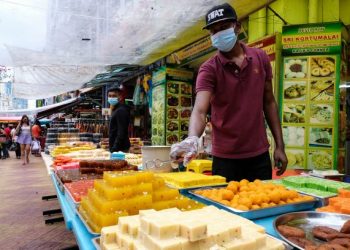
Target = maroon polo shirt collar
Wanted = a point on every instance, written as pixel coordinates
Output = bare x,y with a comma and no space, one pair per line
224,61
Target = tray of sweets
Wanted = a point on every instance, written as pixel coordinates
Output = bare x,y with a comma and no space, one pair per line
255,213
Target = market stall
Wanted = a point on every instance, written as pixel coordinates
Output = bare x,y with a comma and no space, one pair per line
101,197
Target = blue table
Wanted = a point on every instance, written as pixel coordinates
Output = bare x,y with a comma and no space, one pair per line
72,220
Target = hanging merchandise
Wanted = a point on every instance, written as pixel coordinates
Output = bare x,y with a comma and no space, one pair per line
310,97
146,82
93,126
171,104
137,93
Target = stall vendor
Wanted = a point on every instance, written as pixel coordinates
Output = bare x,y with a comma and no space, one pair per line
236,84
120,119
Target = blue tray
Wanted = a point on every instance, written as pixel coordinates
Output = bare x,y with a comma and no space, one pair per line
258,213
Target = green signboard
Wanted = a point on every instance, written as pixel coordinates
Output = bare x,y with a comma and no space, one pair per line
309,94
312,39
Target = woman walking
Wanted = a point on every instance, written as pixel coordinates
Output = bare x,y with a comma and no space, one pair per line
23,131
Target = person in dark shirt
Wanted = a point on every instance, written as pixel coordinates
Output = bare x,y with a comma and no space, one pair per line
120,119
236,85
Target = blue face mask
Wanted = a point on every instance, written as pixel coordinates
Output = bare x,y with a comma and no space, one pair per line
224,40
113,101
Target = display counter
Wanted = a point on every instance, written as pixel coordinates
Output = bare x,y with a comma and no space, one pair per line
85,239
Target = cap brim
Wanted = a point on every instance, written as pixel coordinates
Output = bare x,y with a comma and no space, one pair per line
217,21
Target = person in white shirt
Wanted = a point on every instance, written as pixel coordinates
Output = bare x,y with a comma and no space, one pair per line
14,140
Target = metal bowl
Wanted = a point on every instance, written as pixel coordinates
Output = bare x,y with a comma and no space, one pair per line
307,221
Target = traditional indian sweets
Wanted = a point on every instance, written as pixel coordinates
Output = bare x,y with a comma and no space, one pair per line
122,193
338,204
206,228
79,188
245,195
330,238
191,179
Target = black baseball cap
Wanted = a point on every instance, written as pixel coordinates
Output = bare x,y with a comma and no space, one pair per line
116,87
220,13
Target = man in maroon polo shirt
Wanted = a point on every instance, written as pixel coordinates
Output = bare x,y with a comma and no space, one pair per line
236,84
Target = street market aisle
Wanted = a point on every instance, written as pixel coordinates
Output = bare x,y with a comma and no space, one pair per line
22,224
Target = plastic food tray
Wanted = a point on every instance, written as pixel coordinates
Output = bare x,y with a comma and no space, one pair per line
258,213
308,220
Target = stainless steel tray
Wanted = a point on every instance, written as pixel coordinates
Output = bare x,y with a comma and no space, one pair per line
322,200
59,183
258,213
72,203
308,220
88,228
96,243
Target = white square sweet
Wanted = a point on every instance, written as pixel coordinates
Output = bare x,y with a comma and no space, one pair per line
109,246
125,222
164,229
187,245
168,244
147,212
108,234
241,244
273,244
127,242
145,223
260,238
193,230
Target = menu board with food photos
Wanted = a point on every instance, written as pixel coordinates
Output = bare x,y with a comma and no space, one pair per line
309,102
309,94
177,95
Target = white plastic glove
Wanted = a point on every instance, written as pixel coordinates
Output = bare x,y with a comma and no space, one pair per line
187,148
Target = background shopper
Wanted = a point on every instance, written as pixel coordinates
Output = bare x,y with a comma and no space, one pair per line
36,132
120,119
17,147
23,131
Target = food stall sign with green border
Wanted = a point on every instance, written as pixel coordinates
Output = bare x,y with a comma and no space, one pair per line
191,52
179,74
312,39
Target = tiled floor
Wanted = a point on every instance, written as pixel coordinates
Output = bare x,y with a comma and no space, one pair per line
22,224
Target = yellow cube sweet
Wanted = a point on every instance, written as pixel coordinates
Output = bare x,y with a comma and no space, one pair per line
120,181
158,182
165,193
144,177
112,193
108,219
143,188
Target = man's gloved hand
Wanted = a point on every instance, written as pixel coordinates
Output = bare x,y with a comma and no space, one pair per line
186,149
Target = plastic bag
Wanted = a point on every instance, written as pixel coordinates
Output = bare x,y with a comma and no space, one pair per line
36,146
13,146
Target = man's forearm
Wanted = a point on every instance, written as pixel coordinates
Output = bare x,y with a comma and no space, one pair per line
197,124
272,118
